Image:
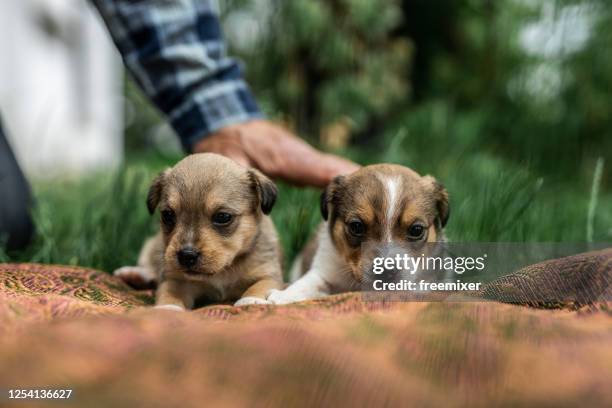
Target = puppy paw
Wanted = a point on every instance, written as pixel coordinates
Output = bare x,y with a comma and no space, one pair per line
283,297
174,308
138,277
251,300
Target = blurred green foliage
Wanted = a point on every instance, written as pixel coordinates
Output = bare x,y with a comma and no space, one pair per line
539,99
319,62
536,99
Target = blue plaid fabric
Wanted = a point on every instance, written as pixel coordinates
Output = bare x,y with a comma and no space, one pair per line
175,51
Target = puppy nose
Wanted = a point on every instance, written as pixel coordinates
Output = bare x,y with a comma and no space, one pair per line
188,256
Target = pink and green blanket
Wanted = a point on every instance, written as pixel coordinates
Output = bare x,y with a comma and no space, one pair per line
69,327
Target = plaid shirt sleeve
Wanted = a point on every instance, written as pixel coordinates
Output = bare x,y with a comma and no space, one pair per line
175,51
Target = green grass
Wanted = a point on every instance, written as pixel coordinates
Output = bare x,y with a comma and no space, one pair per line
101,221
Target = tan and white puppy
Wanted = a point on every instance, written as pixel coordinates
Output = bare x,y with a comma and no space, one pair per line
216,242
377,205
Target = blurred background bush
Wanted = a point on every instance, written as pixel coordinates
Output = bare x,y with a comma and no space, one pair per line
507,102
531,78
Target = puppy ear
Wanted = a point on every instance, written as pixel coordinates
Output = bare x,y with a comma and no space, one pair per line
265,189
155,191
440,195
323,204
329,194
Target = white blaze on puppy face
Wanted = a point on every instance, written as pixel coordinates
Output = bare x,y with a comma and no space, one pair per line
392,187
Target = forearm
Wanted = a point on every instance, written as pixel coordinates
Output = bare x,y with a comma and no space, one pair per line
175,52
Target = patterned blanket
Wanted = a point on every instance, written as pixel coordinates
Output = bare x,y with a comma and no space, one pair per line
76,328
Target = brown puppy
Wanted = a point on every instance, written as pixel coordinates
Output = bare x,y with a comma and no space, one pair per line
216,241
377,205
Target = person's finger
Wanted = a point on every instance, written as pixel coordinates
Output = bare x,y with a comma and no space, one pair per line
226,145
241,159
337,166
305,165
315,169
277,153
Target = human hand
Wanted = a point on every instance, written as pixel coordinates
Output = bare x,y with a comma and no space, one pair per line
276,152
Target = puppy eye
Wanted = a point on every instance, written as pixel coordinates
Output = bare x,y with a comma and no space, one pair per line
416,232
168,218
222,218
357,228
